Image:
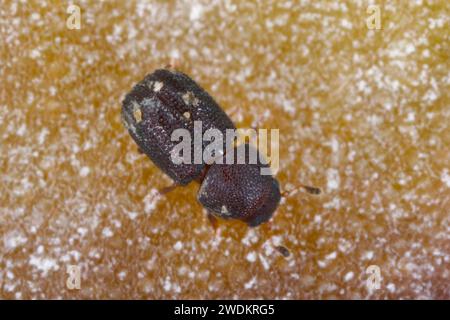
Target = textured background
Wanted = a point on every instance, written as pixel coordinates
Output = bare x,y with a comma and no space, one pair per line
363,114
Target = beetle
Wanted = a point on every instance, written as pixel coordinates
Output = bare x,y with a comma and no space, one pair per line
166,100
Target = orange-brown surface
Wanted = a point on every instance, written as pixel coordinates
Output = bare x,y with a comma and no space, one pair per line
363,114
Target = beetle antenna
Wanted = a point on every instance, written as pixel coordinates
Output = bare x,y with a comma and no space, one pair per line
283,251
173,64
310,189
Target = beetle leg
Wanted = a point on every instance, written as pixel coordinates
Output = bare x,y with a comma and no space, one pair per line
166,190
308,189
202,175
213,220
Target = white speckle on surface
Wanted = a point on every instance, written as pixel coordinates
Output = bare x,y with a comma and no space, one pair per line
351,155
334,145
52,90
43,264
344,245
445,177
107,232
175,54
400,49
331,256
13,239
409,48
178,246
276,240
348,276
332,179
391,287
368,255
35,53
410,117
82,231
346,24
196,11
431,95
35,17
317,219
84,171
334,203
251,237
151,200
388,106
122,275
22,130
167,284
264,262
40,249
132,214
250,284
251,256
42,135
322,263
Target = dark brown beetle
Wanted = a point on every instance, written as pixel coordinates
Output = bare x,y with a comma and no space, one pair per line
239,191
166,100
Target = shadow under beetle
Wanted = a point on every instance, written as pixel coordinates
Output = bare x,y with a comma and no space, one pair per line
166,100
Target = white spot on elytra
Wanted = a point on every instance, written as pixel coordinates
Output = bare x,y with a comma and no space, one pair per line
224,210
190,99
157,86
137,113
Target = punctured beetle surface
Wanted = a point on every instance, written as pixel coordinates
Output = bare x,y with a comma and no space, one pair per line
239,191
163,101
